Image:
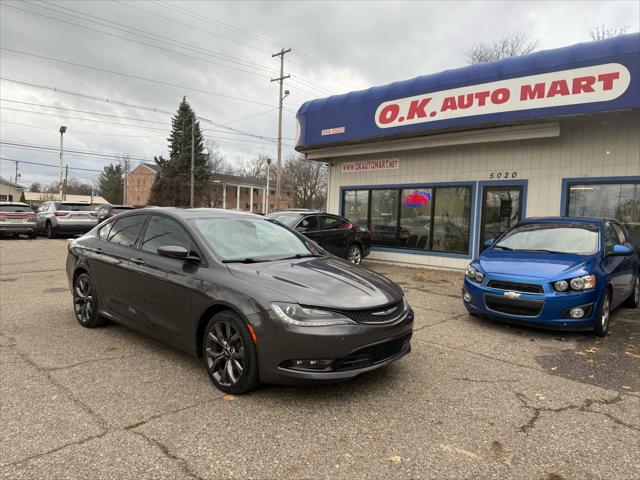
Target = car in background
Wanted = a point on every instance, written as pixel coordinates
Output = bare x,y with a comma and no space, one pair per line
333,233
17,218
257,301
58,217
559,273
108,211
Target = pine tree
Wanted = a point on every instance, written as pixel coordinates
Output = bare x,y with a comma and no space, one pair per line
173,182
110,183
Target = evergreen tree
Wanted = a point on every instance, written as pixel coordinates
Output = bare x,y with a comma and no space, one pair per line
173,182
110,183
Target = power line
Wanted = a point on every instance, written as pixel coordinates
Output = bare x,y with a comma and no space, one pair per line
69,150
49,165
75,132
137,77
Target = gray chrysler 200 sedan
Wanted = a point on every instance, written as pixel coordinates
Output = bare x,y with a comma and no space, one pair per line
253,298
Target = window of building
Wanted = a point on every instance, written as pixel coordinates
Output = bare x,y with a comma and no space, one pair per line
427,218
620,201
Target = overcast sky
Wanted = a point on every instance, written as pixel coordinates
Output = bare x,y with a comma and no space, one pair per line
218,55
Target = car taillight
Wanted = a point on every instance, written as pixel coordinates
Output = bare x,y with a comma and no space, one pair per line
370,232
61,214
31,217
348,226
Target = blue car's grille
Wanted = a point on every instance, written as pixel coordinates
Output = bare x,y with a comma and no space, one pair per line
521,307
515,287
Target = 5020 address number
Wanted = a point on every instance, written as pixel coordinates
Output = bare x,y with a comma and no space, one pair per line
505,174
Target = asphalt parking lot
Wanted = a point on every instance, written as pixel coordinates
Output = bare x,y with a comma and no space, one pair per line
475,399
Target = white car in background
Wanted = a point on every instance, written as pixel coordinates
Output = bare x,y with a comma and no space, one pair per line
55,218
17,218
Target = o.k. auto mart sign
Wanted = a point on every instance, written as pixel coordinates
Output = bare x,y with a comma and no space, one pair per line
369,165
568,87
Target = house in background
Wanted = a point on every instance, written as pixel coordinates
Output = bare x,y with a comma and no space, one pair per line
226,191
9,191
35,199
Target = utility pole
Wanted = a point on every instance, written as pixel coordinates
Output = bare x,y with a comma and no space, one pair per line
64,185
193,157
17,174
281,97
62,130
124,181
266,201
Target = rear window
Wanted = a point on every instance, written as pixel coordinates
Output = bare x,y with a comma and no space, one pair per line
15,208
73,207
286,219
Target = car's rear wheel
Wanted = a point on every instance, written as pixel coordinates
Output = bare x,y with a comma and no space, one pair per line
85,302
229,354
354,254
602,321
634,298
32,235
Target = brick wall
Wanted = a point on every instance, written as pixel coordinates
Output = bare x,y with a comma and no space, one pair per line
139,183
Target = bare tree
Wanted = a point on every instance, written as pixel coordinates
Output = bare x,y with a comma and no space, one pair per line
254,167
512,45
305,181
35,187
601,32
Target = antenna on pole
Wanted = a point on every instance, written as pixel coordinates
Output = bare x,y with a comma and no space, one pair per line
281,97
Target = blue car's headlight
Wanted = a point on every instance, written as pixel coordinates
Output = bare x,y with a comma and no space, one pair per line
585,282
474,274
308,317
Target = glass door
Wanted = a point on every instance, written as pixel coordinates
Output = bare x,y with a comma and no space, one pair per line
501,209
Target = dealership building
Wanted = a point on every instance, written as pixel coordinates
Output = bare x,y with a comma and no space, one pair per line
436,165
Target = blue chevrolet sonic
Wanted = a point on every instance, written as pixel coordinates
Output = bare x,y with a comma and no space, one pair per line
558,273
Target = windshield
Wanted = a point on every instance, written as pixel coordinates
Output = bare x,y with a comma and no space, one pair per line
15,208
552,237
251,239
73,207
286,219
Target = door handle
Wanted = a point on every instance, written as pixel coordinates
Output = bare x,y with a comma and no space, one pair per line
99,251
138,261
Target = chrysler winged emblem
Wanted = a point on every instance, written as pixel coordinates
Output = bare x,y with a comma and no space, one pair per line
385,312
512,294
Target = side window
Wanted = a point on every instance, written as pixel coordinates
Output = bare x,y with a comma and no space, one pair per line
125,230
610,238
330,223
308,224
164,232
623,238
103,233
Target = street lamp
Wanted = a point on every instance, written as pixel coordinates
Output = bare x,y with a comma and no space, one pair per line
62,130
266,197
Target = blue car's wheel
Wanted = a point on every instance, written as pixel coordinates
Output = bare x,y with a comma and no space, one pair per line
634,298
602,321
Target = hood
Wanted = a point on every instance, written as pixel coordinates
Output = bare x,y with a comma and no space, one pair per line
321,282
534,264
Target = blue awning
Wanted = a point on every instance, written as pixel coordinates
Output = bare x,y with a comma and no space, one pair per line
584,78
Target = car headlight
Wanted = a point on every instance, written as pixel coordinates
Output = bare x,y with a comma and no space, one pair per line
561,285
308,317
474,274
583,283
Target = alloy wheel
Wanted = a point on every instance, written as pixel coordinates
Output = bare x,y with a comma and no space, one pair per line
354,255
225,353
604,314
636,294
83,300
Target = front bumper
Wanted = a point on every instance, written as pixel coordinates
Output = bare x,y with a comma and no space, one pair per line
549,309
352,349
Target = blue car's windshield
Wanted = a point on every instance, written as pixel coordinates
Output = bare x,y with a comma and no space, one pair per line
577,239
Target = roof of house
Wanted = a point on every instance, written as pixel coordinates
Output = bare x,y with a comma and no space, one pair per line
11,184
46,197
152,166
585,78
239,180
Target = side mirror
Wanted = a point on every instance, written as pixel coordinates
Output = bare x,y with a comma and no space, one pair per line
174,251
620,251
489,242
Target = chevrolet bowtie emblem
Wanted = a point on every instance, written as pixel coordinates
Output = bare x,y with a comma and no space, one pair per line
512,294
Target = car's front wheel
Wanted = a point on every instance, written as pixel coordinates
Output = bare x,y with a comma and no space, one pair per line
51,233
85,302
602,321
354,254
229,353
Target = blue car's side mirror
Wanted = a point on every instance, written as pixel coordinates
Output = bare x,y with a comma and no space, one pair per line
489,242
620,251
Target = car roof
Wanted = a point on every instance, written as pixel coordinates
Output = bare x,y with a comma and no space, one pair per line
582,220
193,212
14,204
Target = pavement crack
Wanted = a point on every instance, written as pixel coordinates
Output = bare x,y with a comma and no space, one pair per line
167,453
584,407
475,380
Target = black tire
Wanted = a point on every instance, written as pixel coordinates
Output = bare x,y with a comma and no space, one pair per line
49,230
228,351
601,326
32,235
634,297
86,302
354,253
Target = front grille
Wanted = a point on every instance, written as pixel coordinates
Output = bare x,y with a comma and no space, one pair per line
386,314
373,354
518,306
515,287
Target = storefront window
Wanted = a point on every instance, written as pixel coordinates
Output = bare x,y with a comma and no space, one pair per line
451,219
384,217
415,218
356,207
620,201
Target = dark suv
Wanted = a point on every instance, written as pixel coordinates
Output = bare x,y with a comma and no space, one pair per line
332,232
